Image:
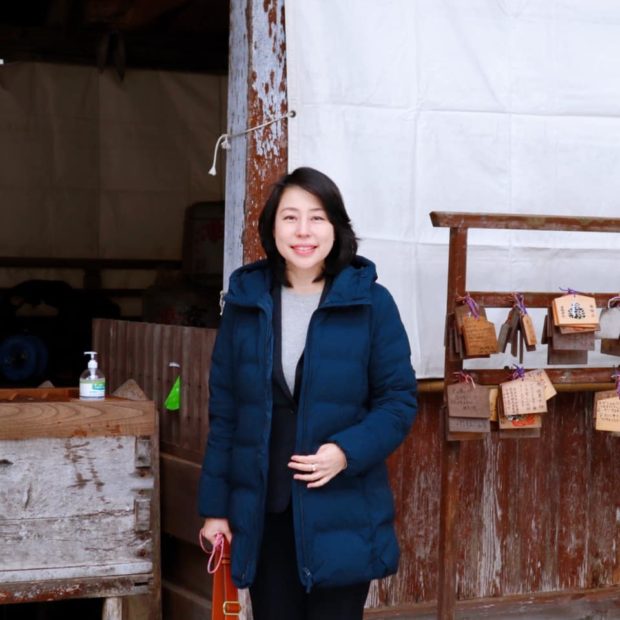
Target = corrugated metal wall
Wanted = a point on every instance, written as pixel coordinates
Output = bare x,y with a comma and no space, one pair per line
536,515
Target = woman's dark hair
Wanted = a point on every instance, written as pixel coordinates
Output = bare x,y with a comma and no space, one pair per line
328,194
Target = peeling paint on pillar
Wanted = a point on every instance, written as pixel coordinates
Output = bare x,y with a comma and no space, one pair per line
267,98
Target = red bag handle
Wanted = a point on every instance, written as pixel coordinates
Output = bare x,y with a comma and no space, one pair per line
225,598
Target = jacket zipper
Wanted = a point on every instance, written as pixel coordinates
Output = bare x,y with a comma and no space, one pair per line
306,573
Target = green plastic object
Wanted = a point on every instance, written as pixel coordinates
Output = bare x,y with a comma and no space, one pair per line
173,400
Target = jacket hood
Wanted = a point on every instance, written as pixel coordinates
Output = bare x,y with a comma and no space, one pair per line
251,283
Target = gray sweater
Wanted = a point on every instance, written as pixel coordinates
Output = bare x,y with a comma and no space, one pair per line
297,310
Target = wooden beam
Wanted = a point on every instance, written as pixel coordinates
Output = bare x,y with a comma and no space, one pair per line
498,299
88,263
182,51
74,418
448,219
57,589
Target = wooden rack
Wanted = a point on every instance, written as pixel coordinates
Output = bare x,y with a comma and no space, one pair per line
459,224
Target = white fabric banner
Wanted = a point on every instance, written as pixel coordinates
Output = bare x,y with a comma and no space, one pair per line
93,167
505,106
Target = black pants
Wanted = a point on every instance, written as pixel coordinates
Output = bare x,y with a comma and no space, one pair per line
277,593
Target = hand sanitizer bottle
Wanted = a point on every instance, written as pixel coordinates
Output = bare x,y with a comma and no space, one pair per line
92,381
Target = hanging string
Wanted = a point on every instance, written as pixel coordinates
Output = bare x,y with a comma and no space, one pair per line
616,378
465,377
570,291
613,301
473,306
519,302
518,372
222,301
224,139
215,554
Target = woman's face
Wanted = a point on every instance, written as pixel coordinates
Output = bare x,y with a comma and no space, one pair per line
303,234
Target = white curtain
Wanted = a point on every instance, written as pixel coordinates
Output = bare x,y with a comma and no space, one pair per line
508,106
92,167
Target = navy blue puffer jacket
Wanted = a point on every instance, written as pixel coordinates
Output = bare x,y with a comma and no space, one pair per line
358,391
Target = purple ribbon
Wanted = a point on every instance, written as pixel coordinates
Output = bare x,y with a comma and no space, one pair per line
519,300
518,372
473,306
570,291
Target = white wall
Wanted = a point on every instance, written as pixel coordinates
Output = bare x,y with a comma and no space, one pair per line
414,106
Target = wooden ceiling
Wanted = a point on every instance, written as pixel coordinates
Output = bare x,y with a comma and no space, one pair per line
183,35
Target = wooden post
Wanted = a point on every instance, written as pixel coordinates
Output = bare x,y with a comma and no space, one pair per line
256,94
457,270
112,609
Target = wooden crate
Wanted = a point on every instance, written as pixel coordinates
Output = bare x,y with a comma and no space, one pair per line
79,501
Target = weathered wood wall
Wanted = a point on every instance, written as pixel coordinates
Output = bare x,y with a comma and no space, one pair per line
144,351
536,515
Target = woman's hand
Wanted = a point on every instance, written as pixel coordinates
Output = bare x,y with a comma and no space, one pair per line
212,527
318,469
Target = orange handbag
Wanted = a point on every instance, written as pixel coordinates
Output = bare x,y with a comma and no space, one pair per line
225,597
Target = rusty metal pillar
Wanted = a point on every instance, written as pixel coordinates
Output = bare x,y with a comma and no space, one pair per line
256,94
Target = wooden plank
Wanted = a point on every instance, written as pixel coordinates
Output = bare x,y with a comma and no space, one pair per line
178,602
415,474
478,567
534,523
185,565
56,589
76,495
466,220
59,262
603,494
598,378
573,464
504,299
179,484
573,605
75,418
27,395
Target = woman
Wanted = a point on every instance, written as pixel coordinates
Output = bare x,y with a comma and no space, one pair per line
311,388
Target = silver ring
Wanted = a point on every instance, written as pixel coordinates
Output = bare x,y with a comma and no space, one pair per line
313,467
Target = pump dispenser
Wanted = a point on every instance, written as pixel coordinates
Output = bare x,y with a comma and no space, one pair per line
92,381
